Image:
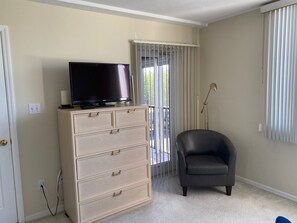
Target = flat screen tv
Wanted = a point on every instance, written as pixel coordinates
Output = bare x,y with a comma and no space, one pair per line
94,84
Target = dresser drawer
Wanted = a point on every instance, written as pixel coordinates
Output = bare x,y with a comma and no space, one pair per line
108,140
115,202
129,117
95,165
112,181
92,121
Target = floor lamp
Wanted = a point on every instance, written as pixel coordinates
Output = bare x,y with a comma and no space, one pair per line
213,87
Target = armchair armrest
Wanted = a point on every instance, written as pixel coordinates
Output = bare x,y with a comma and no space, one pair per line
182,166
228,153
180,153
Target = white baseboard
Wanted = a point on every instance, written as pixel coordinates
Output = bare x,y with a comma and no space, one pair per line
43,214
267,188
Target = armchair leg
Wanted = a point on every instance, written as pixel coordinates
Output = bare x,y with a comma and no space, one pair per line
185,189
228,190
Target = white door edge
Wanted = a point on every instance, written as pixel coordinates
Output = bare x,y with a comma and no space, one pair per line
12,121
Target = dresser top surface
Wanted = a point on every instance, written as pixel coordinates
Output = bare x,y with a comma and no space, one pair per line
100,109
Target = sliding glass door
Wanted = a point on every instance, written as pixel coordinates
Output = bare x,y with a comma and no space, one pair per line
155,93
166,80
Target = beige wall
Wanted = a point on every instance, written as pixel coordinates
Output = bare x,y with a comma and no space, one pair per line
231,56
43,39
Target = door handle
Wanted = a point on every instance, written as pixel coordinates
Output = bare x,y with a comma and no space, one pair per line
3,142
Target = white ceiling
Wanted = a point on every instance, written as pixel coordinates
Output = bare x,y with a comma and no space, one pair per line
190,12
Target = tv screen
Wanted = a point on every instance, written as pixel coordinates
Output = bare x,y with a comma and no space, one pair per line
98,83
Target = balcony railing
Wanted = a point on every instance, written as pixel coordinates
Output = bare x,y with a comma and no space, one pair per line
159,134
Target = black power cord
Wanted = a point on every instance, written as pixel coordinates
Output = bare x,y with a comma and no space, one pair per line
58,199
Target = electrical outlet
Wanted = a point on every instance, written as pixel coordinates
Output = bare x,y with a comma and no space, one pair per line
41,182
260,127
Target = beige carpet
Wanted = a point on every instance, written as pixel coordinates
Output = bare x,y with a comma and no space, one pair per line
246,205
204,205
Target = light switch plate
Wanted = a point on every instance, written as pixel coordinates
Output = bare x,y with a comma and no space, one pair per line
34,108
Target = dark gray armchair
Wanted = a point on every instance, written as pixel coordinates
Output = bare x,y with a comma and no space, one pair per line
205,158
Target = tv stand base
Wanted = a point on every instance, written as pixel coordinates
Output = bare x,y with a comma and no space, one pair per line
87,106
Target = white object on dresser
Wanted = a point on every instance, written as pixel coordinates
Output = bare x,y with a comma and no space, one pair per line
105,161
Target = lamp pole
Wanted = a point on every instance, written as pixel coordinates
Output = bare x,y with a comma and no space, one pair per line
213,87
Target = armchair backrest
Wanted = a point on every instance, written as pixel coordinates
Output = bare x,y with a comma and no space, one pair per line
200,141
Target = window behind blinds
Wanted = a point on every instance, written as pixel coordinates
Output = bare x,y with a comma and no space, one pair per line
281,71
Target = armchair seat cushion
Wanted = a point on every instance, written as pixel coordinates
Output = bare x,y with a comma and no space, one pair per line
206,164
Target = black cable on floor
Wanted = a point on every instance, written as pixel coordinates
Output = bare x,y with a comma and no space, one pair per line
58,199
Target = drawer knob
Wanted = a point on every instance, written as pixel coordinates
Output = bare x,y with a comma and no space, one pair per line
94,114
131,110
114,153
117,194
116,173
114,131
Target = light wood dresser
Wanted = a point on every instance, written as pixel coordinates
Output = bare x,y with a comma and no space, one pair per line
105,161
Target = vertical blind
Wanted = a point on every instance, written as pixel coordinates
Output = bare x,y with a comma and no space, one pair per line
167,80
281,71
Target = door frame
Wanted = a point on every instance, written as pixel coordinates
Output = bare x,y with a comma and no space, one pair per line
8,77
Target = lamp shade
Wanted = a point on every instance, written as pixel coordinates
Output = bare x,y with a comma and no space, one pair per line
213,86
